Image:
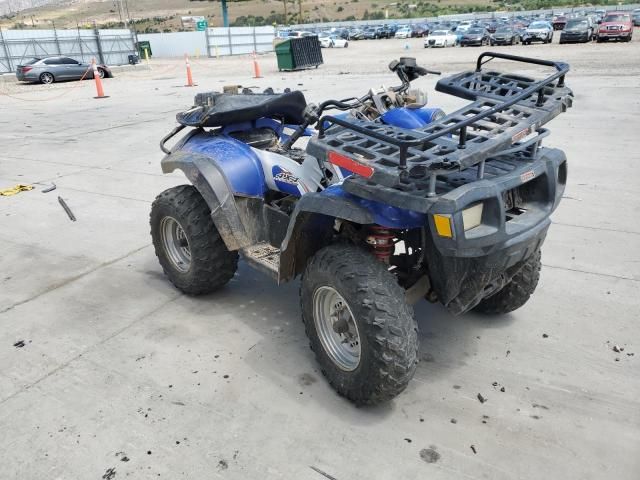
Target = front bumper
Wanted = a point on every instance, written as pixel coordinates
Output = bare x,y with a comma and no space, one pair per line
613,35
473,264
471,43
574,37
536,37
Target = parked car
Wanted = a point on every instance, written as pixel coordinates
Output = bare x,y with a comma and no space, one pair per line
475,36
463,26
578,30
300,34
371,33
492,26
559,22
56,69
403,32
615,26
419,30
388,31
441,38
538,31
331,41
505,35
635,18
356,34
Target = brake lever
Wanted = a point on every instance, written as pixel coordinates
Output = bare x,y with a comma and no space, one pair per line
433,72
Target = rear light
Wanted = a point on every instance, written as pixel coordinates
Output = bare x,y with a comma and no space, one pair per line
350,164
26,69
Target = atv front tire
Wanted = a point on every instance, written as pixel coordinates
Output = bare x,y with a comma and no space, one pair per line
515,293
359,325
187,243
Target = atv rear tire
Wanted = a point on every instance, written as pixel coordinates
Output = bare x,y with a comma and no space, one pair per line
187,243
345,289
515,293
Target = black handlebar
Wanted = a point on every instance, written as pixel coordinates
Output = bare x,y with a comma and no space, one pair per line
406,69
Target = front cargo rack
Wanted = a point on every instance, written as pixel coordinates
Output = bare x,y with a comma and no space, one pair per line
504,119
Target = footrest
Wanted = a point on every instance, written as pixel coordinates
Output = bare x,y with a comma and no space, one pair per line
263,256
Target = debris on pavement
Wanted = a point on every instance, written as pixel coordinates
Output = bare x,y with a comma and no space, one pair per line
109,474
429,455
473,449
72,217
50,188
19,344
544,335
481,398
223,465
618,349
453,420
323,473
7,192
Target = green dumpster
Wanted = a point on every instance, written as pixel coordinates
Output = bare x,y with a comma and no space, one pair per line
284,55
299,53
142,46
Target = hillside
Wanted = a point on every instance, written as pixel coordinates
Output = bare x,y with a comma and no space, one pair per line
161,15
164,15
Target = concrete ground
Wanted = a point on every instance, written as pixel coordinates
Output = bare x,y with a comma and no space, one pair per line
122,376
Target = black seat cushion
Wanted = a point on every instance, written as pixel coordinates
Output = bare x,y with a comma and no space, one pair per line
226,108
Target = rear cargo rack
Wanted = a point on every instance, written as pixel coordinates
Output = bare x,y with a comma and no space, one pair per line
506,110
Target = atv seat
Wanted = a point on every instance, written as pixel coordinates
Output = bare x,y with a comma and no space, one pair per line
225,109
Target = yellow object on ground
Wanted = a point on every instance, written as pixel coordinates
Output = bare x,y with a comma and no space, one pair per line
7,192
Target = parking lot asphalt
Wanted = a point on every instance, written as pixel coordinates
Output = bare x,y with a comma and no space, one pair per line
104,365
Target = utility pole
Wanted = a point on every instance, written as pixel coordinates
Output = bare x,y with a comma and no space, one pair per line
300,11
225,14
285,11
119,5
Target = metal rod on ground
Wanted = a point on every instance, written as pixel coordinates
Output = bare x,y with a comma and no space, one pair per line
72,217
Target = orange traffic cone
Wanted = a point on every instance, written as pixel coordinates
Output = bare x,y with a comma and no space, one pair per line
189,76
96,76
256,67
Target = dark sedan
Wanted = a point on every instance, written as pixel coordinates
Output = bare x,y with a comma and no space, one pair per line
505,36
559,22
372,33
577,30
475,36
56,69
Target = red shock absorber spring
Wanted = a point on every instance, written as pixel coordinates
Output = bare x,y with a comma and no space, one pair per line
382,242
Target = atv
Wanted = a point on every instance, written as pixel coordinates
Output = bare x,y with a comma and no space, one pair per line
390,202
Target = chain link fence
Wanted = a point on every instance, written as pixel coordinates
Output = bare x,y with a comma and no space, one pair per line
111,47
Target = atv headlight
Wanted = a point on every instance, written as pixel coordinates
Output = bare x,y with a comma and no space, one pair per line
472,217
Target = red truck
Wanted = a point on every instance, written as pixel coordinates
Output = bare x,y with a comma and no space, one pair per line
615,26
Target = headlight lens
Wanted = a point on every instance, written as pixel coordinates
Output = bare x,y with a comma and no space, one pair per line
472,217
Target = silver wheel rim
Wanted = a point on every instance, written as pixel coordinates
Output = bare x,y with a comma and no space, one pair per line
337,329
101,73
175,244
47,78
